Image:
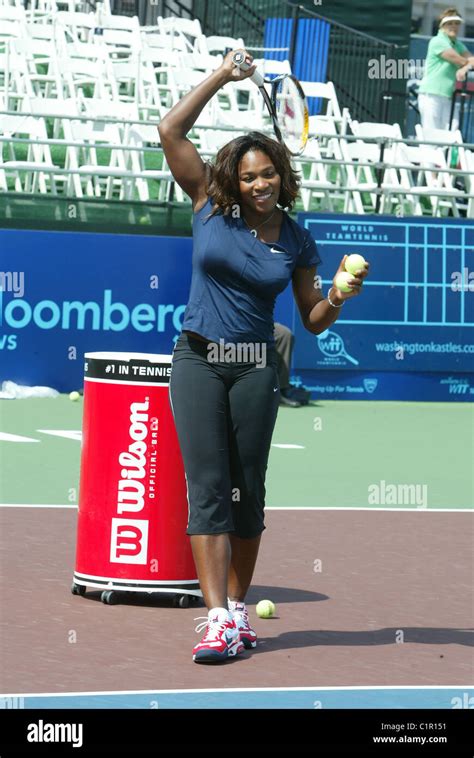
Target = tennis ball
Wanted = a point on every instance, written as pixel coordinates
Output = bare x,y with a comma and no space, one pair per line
342,280
265,609
74,395
354,263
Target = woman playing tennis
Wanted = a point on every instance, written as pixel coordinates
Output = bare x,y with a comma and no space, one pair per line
246,250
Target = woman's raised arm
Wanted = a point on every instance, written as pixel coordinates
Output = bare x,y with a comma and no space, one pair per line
184,161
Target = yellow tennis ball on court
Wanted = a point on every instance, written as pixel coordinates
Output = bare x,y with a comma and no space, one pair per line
354,263
342,281
265,609
74,395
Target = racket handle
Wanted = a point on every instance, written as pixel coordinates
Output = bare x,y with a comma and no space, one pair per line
239,59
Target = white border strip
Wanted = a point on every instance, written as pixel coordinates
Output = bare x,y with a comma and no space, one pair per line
365,687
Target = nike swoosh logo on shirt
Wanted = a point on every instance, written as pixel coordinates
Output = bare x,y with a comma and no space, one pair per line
273,250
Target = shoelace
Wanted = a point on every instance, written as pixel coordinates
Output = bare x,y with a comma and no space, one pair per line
241,614
214,627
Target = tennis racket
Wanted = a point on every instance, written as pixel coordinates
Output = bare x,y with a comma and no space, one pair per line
286,105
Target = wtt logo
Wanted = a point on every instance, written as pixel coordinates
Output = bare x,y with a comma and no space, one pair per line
458,389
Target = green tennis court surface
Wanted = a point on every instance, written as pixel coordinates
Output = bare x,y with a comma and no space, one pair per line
328,455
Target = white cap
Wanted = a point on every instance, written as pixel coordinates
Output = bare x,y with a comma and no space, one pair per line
450,18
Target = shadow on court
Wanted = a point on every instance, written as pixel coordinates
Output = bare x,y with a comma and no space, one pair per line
256,593
316,638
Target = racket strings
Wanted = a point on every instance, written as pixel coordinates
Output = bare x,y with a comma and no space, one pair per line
292,114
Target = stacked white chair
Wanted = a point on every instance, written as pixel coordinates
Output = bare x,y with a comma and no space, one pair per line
90,178
61,59
36,173
318,184
218,44
187,29
432,160
140,136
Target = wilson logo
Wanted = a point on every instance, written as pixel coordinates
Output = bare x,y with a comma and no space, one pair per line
129,540
129,537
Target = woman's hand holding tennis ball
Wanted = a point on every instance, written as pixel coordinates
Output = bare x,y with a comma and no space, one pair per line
350,276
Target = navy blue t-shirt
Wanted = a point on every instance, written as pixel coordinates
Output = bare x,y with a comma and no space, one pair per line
237,277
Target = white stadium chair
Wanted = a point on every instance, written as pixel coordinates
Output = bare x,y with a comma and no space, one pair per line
175,43
269,67
142,135
41,11
12,4
33,173
12,13
325,91
318,184
89,177
216,44
52,107
81,25
189,29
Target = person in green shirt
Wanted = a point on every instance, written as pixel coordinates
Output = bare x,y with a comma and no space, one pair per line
448,60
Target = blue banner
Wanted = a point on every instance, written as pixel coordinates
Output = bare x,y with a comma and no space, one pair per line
67,293
416,310
389,385
408,336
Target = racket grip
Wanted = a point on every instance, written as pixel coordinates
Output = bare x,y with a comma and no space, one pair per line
239,59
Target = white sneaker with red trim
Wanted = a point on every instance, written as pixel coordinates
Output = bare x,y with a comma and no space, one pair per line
241,617
221,639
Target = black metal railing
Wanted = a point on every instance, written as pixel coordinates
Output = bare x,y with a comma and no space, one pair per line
349,62
239,18
349,56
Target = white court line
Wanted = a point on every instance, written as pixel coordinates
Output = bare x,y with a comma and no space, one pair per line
66,433
287,446
408,509
245,689
5,437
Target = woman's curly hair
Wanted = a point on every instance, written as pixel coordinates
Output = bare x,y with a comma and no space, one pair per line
223,178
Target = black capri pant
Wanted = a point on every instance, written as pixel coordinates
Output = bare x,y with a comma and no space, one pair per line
224,414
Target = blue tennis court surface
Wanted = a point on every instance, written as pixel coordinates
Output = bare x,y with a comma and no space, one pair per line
294,697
